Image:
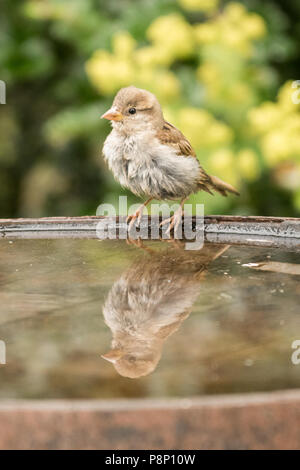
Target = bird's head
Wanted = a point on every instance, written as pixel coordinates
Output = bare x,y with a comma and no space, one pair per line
133,363
134,110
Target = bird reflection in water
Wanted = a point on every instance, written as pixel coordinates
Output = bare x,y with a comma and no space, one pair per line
149,302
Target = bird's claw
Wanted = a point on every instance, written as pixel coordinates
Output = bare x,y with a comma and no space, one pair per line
136,216
174,222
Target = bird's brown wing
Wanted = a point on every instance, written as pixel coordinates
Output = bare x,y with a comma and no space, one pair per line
170,135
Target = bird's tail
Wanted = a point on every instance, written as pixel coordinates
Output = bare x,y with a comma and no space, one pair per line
218,185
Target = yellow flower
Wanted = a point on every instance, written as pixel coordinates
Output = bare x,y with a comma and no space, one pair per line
162,83
235,11
171,115
283,142
194,122
168,86
54,11
222,163
222,159
265,117
240,94
151,56
206,33
234,37
292,124
145,78
109,73
285,97
207,6
202,129
209,73
219,133
275,146
279,127
248,164
173,34
123,44
234,28
254,26
145,56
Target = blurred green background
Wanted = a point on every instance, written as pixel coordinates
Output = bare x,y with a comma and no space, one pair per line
223,72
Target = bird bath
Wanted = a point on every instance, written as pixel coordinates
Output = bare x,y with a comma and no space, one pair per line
222,321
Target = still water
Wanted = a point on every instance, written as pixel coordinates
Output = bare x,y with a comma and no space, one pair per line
103,319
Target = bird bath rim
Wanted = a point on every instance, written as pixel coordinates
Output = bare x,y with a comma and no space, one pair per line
237,230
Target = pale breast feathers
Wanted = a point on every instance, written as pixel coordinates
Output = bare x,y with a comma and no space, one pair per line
160,164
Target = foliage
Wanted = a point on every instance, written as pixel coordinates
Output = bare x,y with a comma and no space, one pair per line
222,71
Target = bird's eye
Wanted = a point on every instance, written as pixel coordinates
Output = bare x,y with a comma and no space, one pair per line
131,358
132,110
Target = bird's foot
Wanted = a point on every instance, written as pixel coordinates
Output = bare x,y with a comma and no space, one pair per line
174,221
136,216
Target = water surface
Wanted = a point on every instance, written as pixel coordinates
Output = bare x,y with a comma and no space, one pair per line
178,323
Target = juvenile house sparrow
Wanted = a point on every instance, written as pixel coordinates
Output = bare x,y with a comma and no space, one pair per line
150,156
149,303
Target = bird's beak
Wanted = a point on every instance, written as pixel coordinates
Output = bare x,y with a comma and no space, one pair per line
113,115
113,355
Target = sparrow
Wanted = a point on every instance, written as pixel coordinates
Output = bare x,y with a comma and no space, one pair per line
149,302
151,157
